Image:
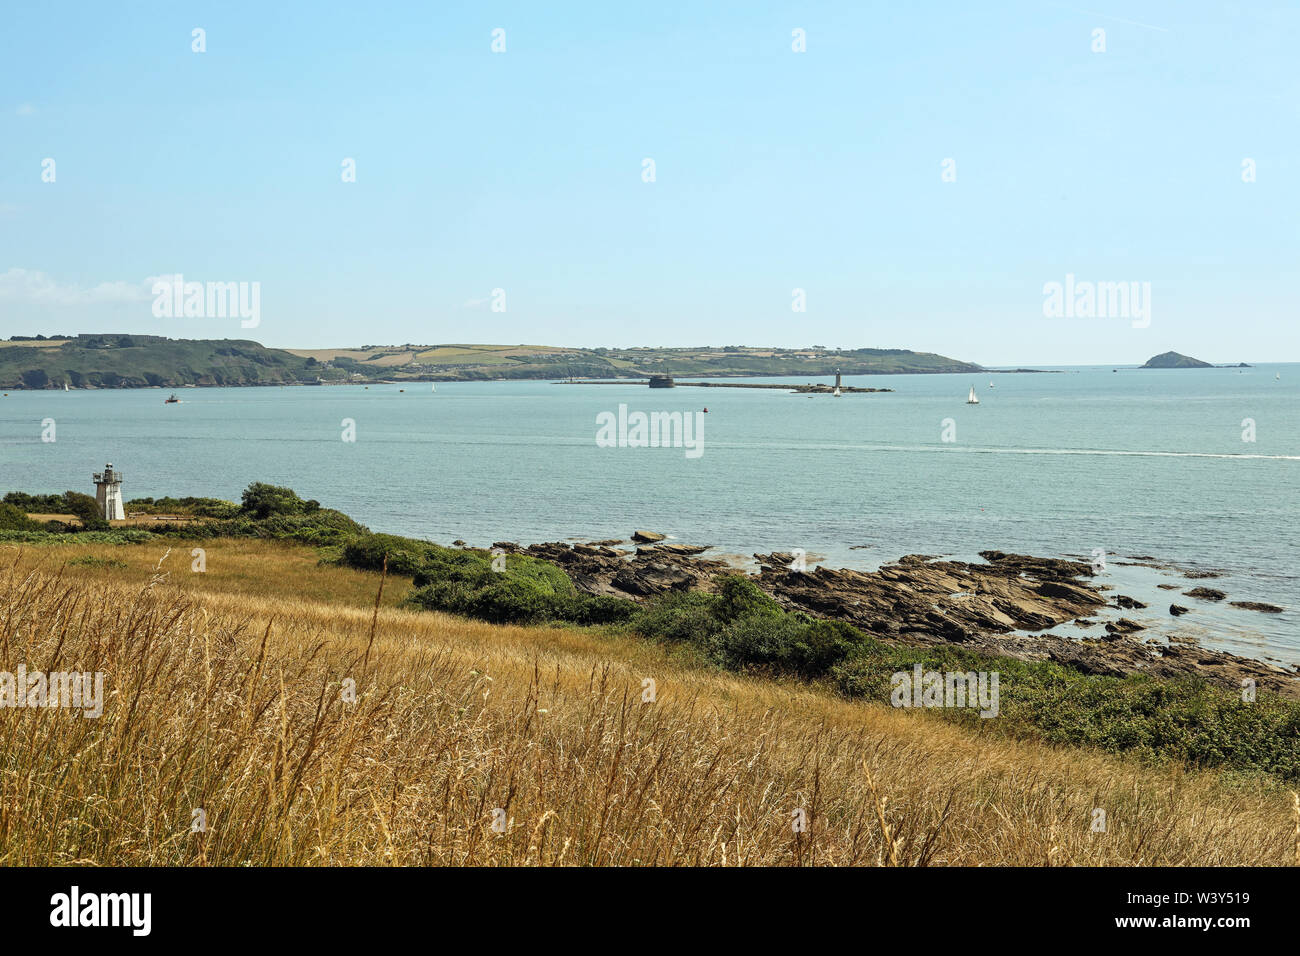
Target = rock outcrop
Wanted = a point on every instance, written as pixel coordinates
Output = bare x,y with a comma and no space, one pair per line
999,608
1257,606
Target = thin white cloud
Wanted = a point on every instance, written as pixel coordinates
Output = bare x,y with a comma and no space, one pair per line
26,109
1104,16
37,288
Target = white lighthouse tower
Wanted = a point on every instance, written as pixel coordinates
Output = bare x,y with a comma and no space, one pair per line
108,493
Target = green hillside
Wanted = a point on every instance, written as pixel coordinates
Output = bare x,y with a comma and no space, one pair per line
483,362
141,361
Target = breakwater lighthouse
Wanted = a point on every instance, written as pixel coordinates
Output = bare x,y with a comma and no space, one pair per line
108,493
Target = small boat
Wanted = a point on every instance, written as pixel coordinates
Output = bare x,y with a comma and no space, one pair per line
65,386
1277,377
973,399
837,393
990,384
172,400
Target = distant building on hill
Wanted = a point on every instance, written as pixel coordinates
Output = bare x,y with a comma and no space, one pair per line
662,381
108,493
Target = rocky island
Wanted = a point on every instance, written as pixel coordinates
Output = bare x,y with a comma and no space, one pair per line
1178,360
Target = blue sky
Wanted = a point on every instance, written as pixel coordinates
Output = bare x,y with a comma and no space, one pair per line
775,170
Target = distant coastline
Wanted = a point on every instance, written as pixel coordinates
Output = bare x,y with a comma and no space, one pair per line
123,361
147,361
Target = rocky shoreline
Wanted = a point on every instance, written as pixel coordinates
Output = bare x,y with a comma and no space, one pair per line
923,601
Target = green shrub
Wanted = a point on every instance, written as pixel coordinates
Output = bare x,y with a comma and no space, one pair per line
758,640
820,646
527,591
86,509
262,500
741,627
502,599
602,609
739,596
690,617
37,504
13,518
406,556
463,581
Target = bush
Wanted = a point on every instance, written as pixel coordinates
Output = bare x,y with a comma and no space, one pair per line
13,518
741,627
502,599
37,504
406,556
758,640
262,500
70,502
739,597
463,581
602,609
86,509
528,591
691,617
823,645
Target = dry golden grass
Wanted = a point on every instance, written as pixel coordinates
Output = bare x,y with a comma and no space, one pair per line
223,693
248,566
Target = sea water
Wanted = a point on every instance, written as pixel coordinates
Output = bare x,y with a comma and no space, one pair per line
1196,468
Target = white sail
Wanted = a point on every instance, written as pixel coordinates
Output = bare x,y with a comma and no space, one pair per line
973,399
837,393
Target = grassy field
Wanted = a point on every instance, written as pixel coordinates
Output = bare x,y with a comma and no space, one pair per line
223,692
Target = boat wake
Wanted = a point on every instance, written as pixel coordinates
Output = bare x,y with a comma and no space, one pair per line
966,449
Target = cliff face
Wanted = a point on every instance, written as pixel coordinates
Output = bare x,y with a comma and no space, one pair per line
1175,360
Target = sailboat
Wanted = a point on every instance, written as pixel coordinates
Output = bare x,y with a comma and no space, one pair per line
65,386
974,399
990,384
837,393
1277,377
